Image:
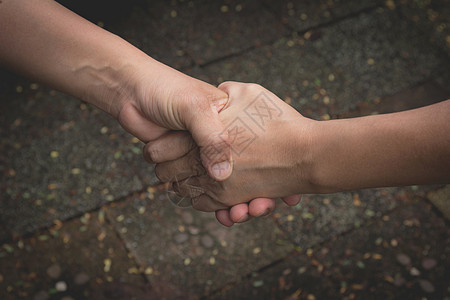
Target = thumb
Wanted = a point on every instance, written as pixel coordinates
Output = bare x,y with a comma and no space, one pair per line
211,136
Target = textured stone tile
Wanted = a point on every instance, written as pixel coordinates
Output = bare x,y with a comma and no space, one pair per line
346,8
440,198
381,53
304,15
82,259
208,30
60,158
190,253
432,17
321,217
145,29
297,277
329,70
292,69
133,21
403,255
421,95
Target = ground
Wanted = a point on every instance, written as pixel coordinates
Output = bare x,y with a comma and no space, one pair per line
83,217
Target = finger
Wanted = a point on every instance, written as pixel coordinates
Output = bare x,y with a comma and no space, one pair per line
185,189
139,126
239,213
261,207
210,135
180,169
292,200
223,216
170,146
206,204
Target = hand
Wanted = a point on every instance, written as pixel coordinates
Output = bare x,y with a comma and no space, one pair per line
174,101
176,144
260,126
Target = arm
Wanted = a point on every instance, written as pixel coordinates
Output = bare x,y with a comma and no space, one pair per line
405,148
43,40
294,154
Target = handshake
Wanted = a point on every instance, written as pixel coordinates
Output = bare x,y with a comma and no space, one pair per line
244,147
231,149
237,164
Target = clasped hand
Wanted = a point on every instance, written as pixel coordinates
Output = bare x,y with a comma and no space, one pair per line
261,131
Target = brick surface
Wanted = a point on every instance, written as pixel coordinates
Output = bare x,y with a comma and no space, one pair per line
84,255
208,30
59,160
401,255
320,217
329,59
190,253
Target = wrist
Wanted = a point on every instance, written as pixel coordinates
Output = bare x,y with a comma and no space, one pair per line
304,156
110,79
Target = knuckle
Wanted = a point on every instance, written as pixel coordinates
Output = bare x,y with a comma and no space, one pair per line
154,153
224,84
254,87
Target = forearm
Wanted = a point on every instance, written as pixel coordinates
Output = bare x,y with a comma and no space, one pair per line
406,148
43,40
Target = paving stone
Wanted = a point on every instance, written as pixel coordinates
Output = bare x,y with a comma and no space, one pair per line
58,160
194,267
381,53
426,93
186,254
385,260
83,259
440,198
292,70
132,21
328,70
102,11
321,217
296,277
402,255
304,15
208,30
345,8
146,30
432,17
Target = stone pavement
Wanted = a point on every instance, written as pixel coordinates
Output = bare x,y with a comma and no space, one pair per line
82,215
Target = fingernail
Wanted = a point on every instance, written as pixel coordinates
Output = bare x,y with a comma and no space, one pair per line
221,170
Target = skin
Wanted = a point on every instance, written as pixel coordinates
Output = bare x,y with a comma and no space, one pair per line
295,155
43,40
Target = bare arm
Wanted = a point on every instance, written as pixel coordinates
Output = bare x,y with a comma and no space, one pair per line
44,40
405,148
296,155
